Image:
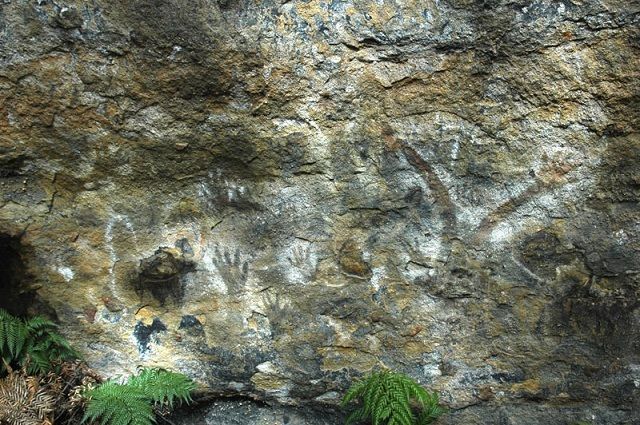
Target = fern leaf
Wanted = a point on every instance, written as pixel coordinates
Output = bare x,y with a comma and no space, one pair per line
401,412
163,387
356,416
131,404
355,391
39,324
374,398
116,404
415,391
4,319
399,399
386,399
431,412
374,384
37,363
32,343
16,334
56,344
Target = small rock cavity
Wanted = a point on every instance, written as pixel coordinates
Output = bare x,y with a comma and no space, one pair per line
16,296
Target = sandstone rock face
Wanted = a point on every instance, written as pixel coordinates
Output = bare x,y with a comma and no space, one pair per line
275,197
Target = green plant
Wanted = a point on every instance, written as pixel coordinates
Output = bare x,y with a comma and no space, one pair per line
136,401
33,344
389,398
162,386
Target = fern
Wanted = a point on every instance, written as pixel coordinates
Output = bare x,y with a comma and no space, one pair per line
32,343
118,404
431,410
12,336
162,386
387,398
133,403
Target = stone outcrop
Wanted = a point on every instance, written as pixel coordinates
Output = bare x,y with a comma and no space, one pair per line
275,197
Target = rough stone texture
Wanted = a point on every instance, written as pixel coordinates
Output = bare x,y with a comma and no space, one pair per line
275,197
244,412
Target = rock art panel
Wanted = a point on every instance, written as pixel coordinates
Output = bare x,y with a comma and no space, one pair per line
276,197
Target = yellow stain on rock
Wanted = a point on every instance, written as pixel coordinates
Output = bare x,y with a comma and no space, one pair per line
146,315
530,386
268,382
336,358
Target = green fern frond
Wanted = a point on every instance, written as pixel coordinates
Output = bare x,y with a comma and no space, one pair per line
354,392
386,398
162,386
39,324
132,403
413,390
429,415
356,416
117,404
33,343
16,336
38,363
4,319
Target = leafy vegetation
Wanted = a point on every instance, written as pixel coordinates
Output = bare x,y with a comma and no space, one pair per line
33,344
34,347
136,401
389,398
163,387
113,403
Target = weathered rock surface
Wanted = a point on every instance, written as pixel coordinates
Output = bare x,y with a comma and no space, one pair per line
244,412
275,197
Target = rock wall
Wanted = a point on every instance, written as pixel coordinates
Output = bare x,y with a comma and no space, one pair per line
275,197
